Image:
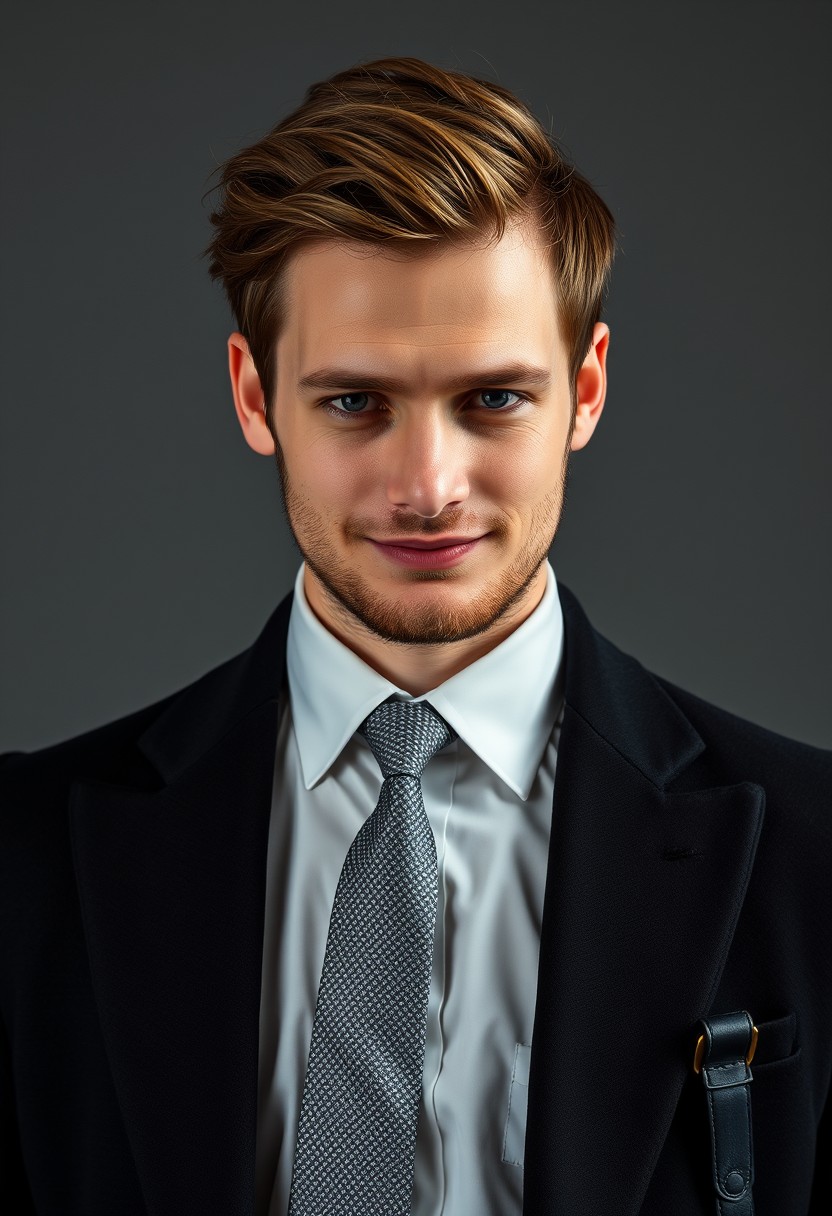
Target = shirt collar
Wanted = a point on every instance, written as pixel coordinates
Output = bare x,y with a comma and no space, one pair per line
503,706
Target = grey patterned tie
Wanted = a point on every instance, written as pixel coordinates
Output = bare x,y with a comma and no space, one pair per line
357,1127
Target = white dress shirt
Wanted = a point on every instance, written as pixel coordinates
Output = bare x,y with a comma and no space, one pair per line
488,797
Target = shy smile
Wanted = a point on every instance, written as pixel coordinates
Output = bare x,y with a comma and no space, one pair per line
438,558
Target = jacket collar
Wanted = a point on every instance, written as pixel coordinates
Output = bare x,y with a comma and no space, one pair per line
201,714
623,703
611,690
172,886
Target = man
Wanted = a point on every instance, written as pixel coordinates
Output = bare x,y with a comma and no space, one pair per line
425,901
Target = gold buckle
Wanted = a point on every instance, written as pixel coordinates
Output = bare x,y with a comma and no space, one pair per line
700,1050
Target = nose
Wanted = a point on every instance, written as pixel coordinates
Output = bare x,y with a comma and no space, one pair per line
425,463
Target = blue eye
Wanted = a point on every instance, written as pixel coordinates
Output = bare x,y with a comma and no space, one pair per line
498,392
352,405
352,401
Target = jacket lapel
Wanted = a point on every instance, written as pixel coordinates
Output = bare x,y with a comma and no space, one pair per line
643,892
172,886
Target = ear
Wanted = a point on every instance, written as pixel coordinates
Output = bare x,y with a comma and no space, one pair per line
591,388
248,396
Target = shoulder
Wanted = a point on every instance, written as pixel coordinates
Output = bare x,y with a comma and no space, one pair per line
129,750
732,741
110,753
644,714
795,851
35,796
104,753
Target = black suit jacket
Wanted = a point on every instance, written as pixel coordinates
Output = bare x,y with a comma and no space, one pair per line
689,874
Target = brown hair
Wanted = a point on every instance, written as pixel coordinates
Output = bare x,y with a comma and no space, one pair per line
393,153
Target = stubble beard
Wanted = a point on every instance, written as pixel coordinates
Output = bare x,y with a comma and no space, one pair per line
423,623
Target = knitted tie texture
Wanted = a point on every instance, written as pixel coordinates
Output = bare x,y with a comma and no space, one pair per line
360,1106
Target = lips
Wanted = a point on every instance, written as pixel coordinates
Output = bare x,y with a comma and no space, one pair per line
417,553
443,542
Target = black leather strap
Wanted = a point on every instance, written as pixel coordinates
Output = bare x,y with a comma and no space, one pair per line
727,1076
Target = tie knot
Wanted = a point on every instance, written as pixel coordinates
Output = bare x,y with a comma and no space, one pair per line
403,735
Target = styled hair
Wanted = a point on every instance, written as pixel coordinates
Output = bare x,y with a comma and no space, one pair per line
403,155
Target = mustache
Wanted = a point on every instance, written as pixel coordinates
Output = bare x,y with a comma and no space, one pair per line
455,524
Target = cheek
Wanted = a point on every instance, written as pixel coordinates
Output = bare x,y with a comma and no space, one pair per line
337,481
521,473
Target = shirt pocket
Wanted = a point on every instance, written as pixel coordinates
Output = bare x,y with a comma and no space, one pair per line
514,1139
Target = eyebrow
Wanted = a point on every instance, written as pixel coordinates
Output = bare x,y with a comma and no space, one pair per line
350,379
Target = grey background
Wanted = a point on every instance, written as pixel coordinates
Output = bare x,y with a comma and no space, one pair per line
142,540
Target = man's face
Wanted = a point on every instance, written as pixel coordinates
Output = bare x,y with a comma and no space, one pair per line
417,400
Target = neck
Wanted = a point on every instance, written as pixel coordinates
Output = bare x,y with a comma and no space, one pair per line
417,668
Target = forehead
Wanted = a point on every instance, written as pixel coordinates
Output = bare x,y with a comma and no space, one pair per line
352,301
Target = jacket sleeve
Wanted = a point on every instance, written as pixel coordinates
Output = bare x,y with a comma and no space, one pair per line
15,1195
819,1204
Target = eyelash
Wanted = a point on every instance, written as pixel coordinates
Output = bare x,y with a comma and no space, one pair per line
341,414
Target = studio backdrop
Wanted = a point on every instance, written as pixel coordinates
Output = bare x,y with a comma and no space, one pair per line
142,540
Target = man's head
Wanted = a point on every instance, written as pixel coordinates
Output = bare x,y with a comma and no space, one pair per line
415,235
